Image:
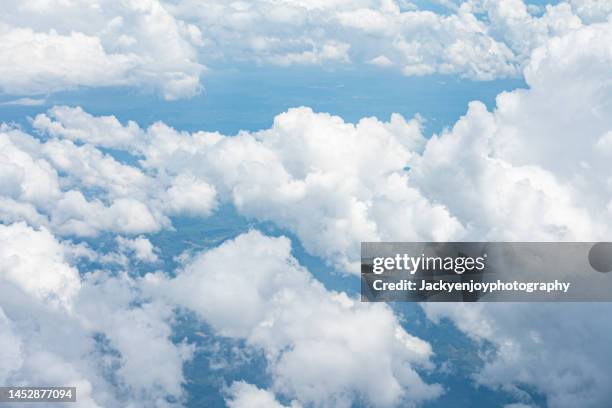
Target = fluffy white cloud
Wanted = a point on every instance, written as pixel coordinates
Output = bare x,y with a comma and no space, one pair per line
79,190
322,347
53,45
479,39
140,247
592,10
42,273
531,160
348,178
154,372
50,45
244,395
190,195
541,345
62,329
75,124
537,168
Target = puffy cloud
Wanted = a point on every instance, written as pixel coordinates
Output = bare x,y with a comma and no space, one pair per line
531,160
592,10
348,177
75,215
99,335
244,395
34,261
75,124
25,102
151,373
512,24
479,39
529,340
352,179
329,51
322,347
46,62
536,170
140,247
62,329
381,61
190,195
79,190
53,45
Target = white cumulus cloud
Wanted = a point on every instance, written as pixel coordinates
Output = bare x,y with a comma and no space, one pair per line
53,45
323,348
86,331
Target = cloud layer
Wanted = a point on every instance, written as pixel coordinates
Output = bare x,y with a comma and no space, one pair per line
88,331
534,168
368,181
323,348
52,45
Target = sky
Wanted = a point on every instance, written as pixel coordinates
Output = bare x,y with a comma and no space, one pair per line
184,186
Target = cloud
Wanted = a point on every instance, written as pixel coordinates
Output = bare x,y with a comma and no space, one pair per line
533,168
52,45
244,395
140,247
79,190
42,274
348,177
477,39
536,170
76,125
518,405
323,348
60,328
592,10
92,327
191,196
381,61
543,159
529,340
26,102
330,51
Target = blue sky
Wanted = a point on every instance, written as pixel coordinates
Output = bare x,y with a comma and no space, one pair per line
247,99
